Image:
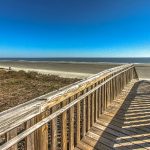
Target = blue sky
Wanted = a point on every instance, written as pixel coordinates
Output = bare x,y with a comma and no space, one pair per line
75,28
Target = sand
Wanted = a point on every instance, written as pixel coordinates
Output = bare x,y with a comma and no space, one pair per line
70,70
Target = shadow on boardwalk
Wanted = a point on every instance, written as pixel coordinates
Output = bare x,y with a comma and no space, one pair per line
130,127
126,125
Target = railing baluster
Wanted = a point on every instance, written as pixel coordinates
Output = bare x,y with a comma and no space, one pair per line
64,128
106,95
96,103
84,117
92,107
42,134
103,98
116,86
89,111
71,127
30,139
10,135
109,93
54,131
78,120
100,101
112,87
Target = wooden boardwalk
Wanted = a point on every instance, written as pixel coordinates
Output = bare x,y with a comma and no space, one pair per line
109,110
125,124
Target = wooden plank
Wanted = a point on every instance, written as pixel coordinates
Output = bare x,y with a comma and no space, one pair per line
6,124
126,133
30,139
85,146
11,134
108,94
96,103
92,106
109,136
64,129
71,126
89,111
78,120
116,133
134,131
42,134
113,89
76,148
101,141
110,91
84,115
103,98
100,101
54,131
95,143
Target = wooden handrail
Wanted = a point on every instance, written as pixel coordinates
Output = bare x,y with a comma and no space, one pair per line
56,113
21,112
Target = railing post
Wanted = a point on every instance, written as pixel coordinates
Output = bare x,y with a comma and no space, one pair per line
71,127
96,103
64,128
111,96
78,120
115,87
109,86
41,134
92,106
99,101
105,96
54,131
84,117
89,111
30,139
11,134
102,98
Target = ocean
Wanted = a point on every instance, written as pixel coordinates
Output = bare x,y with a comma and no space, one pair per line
104,60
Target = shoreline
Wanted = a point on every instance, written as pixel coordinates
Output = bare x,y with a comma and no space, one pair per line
73,62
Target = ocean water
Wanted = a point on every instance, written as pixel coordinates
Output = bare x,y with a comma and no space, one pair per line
109,60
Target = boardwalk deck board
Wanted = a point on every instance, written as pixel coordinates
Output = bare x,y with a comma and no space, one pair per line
126,123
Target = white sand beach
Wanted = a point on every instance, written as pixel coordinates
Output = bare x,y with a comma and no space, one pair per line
68,69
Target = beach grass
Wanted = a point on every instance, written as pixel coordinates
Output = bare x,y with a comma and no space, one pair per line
19,87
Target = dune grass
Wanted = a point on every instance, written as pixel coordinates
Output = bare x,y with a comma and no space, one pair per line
19,87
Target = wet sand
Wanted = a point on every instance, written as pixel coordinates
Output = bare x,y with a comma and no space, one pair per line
71,70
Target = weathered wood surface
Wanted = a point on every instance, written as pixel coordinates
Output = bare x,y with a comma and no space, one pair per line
125,124
69,113
12,118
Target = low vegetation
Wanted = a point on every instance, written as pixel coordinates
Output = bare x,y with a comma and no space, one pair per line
19,87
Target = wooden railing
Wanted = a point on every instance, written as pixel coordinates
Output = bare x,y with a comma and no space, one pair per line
60,119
